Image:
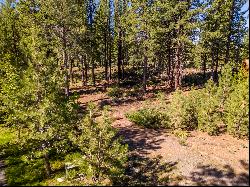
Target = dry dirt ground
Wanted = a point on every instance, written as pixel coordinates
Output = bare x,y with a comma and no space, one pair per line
204,160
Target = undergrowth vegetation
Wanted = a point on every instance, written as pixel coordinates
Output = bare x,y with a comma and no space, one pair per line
149,118
92,155
219,107
114,92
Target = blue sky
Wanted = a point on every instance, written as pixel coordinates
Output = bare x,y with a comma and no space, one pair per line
245,7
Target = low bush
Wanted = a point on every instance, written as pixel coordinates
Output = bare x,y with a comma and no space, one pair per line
208,109
181,135
182,112
237,109
114,92
149,118
135,91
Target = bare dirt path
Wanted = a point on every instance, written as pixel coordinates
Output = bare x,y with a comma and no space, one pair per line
205,160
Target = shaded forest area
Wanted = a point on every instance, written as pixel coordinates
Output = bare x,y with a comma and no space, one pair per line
84,81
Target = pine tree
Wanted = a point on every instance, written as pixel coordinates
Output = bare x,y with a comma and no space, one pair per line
32,96
102,156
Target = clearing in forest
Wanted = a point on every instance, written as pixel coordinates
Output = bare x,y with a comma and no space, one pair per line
204,160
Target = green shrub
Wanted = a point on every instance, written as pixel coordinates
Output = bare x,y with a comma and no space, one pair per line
237,109
182,136
182,112
207,106
149,118
135,91
161,97
6,135
114,92
226,103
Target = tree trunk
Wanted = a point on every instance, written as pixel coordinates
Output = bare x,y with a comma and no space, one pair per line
65,62
177,68
71,71
204,66
215,73
105,56
169,64
145,63
86,69
119,62
215,78
47,164
126,57
109,42
110,62
122,66
212,65
237,56
172,73
93,71
180,70
82,66
123,69
123,55
66,77
229,32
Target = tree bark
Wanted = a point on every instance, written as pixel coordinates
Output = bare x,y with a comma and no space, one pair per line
71,71
169,64
204,65
47,164
66,76
180,69
123,54
110,62
82,66
230,32
172,73
215,73
105,56
109,43
93,70
123,67
65,62
177,68
119,62
86,69
145,63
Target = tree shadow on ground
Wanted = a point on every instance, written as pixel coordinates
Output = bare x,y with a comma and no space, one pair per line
88,89
141,140
197,79
209,175
143,171
151,93
101,102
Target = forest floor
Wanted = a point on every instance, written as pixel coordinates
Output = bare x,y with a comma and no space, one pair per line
203,160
